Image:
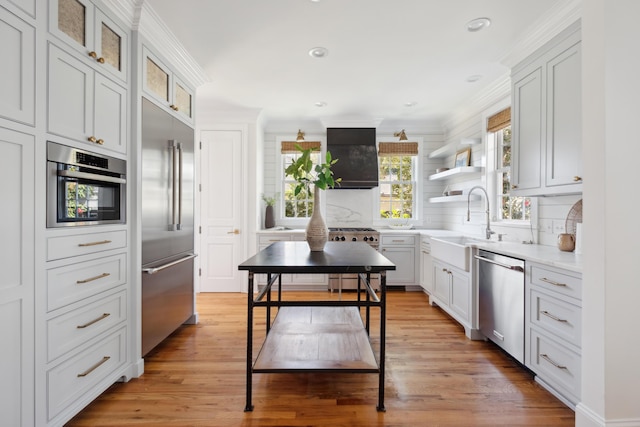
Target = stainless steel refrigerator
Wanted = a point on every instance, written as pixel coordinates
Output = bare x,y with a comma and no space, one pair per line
167,225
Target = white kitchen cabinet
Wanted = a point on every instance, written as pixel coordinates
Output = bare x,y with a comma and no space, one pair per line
546,119
553,329
453,292
426,266
17,281
401,250
18,71
100,41
85,324
84,105
165,87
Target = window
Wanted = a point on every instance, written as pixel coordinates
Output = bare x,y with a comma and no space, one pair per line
512,208
300,206
397,179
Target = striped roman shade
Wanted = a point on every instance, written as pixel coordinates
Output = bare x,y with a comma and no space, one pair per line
289,147
398,149
499,120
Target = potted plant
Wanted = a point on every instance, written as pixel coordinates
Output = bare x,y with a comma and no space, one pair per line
321,177
269,220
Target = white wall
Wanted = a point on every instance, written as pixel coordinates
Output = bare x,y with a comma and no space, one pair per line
611,290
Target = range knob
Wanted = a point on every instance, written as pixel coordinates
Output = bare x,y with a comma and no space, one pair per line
337,238
353,239
342,238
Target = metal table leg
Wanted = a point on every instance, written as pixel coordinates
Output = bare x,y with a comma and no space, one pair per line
249,407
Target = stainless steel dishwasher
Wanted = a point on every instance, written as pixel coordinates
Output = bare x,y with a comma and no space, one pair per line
501,301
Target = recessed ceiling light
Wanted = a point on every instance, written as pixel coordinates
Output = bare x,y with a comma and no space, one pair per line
320,104
474,78
318,52
410,104
478,24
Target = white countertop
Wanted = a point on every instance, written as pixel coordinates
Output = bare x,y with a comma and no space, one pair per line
547,255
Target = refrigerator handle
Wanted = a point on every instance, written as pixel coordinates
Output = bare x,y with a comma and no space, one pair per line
154,270
174,168
180,165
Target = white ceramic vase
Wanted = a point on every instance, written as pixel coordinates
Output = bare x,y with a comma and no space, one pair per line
317,232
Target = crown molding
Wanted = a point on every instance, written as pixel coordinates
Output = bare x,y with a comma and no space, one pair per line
149,25
496,91
552,23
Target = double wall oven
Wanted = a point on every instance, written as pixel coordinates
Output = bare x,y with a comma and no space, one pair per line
84,188
353,234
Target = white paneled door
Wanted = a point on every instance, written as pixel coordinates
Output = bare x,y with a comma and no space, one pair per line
222,213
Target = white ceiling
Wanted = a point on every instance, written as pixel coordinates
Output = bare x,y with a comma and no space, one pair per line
382,53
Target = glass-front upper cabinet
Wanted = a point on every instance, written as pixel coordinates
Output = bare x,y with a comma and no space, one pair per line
86,28
165,87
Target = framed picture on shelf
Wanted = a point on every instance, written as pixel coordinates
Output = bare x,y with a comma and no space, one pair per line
463,158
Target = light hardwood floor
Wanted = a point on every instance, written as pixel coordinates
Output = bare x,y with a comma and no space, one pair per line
435,377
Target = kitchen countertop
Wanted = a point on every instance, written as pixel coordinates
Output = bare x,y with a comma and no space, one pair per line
547,255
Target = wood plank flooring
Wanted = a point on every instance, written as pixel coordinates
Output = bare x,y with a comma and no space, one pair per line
435,377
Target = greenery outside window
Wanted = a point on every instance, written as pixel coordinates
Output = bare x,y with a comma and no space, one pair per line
397,180
300,206
511,208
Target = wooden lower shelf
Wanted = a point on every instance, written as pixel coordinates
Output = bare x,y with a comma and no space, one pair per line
317,339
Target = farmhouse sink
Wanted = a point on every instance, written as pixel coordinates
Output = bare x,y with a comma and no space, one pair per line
454,250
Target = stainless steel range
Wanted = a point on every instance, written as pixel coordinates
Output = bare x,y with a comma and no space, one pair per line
353,234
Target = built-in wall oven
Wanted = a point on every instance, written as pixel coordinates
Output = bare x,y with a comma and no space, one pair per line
84,188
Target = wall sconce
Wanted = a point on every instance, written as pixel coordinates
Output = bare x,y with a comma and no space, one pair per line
300,137
402,135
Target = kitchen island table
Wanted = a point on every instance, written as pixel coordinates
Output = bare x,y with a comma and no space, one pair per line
317,335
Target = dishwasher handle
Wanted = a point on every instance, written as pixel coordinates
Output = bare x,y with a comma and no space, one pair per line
507,266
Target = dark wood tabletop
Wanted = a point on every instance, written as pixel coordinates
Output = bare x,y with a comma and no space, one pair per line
337,257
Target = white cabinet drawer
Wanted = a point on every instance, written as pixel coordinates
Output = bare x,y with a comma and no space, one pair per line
556,364
398,240
69,330
82,244
70,380
556,281
266,240
556,316
74,282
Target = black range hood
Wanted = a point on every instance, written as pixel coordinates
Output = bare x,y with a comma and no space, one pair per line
355,149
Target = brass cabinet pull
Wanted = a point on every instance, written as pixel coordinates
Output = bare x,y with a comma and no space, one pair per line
94,367
556,318
577,178
550,360
173,107
514,186
92,139
100,141
102,242
551,282
104,316
235,231
91,279
94,55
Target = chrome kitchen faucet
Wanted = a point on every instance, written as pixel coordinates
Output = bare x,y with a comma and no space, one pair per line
488,231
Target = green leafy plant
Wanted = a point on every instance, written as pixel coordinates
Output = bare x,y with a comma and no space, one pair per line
270,201
305,173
